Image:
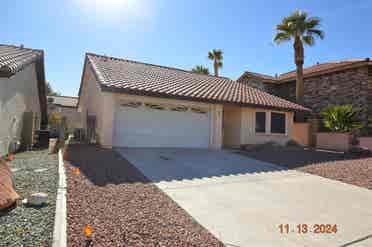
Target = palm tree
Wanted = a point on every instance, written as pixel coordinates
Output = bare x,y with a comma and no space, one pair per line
200,69
303,30
216,55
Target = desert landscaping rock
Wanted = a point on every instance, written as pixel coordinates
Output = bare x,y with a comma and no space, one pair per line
346,168
354,171
40,170
30,226
122,206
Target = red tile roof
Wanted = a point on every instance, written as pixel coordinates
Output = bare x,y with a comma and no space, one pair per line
322,67
120,75
14,59
311,70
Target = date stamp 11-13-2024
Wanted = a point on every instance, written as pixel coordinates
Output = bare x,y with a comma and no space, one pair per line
308,228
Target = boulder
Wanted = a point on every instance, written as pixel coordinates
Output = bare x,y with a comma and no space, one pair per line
8,195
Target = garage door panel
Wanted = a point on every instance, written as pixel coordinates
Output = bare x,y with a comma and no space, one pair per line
145,127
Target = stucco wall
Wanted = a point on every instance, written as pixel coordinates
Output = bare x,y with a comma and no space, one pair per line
333,141
301,133
248,128
366,142
91,101
18,94
232,118
240,127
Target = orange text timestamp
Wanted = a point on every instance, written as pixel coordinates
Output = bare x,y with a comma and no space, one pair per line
308,228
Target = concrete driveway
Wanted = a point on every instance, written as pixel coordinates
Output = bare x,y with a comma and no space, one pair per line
243,201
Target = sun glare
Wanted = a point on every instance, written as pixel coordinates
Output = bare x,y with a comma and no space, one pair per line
115,9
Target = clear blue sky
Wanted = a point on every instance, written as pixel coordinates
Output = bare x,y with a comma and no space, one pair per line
179,33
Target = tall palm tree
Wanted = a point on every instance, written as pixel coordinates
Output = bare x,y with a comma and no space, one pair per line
200,69
216,55
303,30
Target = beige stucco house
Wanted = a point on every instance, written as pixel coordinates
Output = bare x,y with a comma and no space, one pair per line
66,106
22,96
132,104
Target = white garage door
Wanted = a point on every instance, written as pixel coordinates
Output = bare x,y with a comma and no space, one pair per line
146,126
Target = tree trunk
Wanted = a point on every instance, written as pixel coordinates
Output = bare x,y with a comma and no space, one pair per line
299,60
215,65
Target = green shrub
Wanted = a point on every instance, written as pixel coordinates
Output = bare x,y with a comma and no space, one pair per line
341,118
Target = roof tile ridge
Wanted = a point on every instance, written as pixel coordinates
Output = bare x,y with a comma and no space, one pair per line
157,65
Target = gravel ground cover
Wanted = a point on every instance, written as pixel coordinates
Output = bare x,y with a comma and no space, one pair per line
34,171
356,171
122,206
343,167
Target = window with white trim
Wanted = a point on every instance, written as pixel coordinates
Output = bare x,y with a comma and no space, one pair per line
277,123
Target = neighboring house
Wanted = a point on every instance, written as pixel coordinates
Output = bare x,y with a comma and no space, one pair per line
66,106
22,96
132,104
332,83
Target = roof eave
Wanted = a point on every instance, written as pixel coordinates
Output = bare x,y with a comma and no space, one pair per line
6,72
327,71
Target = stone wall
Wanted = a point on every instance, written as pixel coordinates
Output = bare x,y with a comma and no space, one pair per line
352,86
369,97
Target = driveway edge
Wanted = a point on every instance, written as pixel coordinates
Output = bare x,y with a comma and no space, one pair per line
60,225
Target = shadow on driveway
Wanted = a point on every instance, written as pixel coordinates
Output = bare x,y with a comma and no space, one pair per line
106,166
103,166
296,158
168,164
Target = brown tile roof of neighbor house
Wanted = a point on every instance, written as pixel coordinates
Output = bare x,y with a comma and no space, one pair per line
14,59
316,69
63,101
121,75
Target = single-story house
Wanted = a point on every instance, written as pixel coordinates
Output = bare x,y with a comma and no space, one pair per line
331,83
66,106
133,104
23,107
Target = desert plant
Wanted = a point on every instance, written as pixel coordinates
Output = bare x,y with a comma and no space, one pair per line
201,70
55,119
58,124
303,30
342,118
216,56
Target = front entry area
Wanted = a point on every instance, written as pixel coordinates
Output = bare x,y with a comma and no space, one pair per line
154,125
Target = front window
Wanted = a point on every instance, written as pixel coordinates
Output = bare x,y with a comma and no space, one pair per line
278,123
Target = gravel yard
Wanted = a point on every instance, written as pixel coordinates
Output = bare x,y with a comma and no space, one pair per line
35,171
338,166
122,206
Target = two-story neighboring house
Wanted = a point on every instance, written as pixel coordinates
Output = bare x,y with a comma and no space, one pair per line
331,83
23,106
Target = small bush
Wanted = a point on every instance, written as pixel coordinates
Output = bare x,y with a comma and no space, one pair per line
341,118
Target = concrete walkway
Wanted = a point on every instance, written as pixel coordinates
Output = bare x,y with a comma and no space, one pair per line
243,201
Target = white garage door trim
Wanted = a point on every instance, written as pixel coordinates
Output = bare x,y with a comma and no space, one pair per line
138,124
